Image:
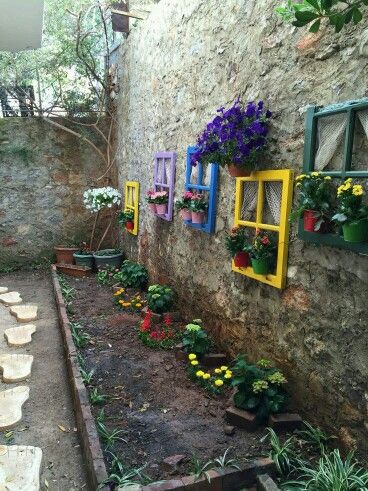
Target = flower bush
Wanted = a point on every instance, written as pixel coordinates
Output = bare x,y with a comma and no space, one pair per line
198,203
184,202
259,388
107,276
158,336
214,381
131,275
124,301
350,207
126,216
235,136
195,339
160,298
157,197
97,199
237,240
315,193
263,246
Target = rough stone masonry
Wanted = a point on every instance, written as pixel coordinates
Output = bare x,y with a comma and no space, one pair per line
186,60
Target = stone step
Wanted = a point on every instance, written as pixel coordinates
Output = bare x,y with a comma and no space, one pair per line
11,402
20,467
24,313
3,289
11,298
15,368
19,336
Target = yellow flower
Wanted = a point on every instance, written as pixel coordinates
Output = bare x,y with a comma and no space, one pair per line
192,356
138,305
194,362
299,178
121,301
328,178
227,375
348,180
229,372
298,184
218,370
219,382
200,373
206,376
315,174
128,304
347,186
224,369
116,293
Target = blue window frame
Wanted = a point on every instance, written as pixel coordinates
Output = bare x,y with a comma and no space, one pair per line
210,190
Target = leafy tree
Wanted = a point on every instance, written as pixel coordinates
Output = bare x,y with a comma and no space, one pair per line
312,12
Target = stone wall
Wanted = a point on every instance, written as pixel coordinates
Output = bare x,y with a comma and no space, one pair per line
43,174
179,66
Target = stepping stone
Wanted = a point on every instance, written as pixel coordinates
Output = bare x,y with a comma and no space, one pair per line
24,313
12,298
20,336
3,289
15,368
11,402
20,468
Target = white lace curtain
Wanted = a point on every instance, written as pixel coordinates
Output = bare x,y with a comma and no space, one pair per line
273,193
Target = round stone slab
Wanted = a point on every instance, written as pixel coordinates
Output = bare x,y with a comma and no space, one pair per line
20,467
24,313
11,402
3,289
15,368
19,336
11,298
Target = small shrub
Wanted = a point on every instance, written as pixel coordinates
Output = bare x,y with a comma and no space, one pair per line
195,339
132,275
107,276
158,336
160,298
214,381
128,302
259,388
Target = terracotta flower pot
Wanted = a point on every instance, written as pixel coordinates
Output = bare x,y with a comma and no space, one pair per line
152,207
129,225
186,214
238,170
73,270
241,259
161,209
64,255
198,217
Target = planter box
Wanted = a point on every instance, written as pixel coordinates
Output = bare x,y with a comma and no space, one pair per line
266,483
84,260
74,270
241,419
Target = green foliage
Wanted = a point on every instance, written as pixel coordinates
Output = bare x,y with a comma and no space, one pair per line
96,398
221,463
195,339
80,338
311,12
283,454
315,436
125,477
259,388
160,298
86,376
107,276
350,208
125,216
132,275
24,152
264,245
109,437
198,203
237,240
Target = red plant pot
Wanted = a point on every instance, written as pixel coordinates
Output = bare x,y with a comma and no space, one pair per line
241,259
310,219
129,225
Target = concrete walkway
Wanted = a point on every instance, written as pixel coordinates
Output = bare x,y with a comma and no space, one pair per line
48,420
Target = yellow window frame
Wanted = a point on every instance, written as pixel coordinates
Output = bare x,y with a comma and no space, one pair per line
285,176
132,202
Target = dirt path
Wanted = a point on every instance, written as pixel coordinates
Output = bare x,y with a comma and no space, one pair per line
49,403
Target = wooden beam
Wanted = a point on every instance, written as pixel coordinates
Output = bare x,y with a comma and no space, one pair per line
127,14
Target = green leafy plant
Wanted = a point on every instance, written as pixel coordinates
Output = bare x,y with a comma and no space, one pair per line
350,208
237,240
198,203
96,398
315,436
81,361
107,276
86,376
315,193
126,216
331,474
259,388
312,12
124,477
80,338
220,463
223,462
264,246
67,291
195,339
132,275
109,437
283,454
160,298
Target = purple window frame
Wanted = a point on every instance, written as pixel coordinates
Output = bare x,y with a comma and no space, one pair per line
164,182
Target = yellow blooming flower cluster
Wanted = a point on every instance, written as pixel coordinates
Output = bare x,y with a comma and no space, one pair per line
216,379
348,188
260,386
122,300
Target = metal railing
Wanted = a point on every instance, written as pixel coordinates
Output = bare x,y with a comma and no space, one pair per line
17,101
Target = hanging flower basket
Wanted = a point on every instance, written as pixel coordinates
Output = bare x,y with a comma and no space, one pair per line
161,209
198,216
238,171
152,207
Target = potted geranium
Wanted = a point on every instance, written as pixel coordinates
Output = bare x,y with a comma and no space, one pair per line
126,218
161,199
183,205
235,138
151,200
84,256
315,201
351,212
262,252
198,206
238,246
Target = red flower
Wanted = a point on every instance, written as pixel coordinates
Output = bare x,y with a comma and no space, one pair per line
168,320
265,240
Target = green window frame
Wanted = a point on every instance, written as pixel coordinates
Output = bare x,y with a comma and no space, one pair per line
351,109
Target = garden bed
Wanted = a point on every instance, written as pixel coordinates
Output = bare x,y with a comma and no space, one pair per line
160,410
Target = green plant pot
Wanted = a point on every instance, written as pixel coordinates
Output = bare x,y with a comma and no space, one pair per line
84,260
261,266
355,232
104,262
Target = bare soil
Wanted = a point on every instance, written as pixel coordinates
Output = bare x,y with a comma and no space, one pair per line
161,411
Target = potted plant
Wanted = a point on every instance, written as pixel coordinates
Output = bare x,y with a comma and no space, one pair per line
84,256
235,138
238,246
262,252
108,258
198,207
126,218
351,212
315,201
161,199
64,254
259,388
160,299
151,200
183,205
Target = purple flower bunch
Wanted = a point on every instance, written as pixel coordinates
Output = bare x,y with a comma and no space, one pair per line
235,136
